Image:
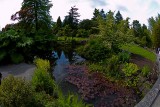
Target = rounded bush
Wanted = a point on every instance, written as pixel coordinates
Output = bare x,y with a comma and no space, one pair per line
15,92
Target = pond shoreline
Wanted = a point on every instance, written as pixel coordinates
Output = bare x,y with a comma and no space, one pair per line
23,70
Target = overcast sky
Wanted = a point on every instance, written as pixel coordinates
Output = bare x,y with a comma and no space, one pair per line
135,9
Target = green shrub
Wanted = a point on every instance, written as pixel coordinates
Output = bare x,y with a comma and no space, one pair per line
94,50
124,57
82,33
129,69
69,101
132,82
145,70
95,67
16,58
42,100
42,64
113,65
42,81
15,92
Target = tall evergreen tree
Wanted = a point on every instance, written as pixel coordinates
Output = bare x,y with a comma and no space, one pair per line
146,36
151,22
154,26
137,28
102,14
34,15
59,22
57,26
118,17
72,19
96,13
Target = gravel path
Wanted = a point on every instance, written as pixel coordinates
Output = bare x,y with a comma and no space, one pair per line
18,70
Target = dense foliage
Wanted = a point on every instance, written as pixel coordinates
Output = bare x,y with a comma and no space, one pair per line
154,25
95,50
34,16
41,92
107,42
15,93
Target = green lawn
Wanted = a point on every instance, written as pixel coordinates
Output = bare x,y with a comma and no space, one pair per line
139,51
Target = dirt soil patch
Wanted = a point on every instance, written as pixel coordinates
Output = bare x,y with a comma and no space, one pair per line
141,61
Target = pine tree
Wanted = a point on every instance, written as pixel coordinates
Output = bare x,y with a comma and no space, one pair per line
96,13
118,17
156,35
102,14
57,26
34,15
137,29
72,19
59,22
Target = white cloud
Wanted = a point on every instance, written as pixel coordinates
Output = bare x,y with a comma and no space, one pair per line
7,8
62,8
135,9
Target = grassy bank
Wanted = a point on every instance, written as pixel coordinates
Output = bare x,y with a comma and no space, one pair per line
135,49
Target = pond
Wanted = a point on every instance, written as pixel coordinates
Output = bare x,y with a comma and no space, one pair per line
64,60
65,56
93,88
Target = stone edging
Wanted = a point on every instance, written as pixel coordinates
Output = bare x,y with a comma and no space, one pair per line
152,94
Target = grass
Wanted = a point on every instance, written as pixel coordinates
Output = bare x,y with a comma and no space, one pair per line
135,49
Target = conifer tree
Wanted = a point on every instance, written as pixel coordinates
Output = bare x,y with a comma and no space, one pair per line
72,19
34,15
118,17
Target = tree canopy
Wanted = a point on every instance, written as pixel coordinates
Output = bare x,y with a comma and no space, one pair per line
34,15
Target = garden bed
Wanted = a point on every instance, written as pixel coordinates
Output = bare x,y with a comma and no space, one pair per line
95,88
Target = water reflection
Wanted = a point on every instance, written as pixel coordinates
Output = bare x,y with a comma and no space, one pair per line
63,60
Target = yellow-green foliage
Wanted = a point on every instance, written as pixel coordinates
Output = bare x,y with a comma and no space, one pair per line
15,92
65,38
132,82
69,100
129,69
42,64
94,67
145,70
139,51
42,80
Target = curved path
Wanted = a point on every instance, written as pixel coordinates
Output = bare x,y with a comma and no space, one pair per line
156,102
18,70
